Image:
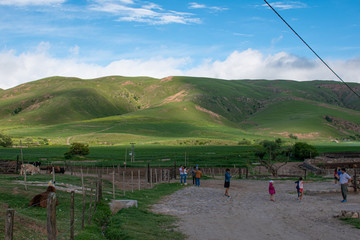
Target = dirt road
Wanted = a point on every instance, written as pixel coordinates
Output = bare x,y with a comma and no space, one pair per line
205,213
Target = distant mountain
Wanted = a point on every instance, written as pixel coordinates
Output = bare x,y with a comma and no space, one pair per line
117,108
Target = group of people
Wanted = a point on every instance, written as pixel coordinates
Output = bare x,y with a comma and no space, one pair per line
339,176
195,173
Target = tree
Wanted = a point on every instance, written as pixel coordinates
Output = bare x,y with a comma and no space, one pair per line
77,149
303,150
271,149
5,140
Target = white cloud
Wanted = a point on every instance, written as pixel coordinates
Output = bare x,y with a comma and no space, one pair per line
286,5
30,2
252,64
16,69
194,5
149,13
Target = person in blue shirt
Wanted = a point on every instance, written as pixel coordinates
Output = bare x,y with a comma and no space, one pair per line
227,182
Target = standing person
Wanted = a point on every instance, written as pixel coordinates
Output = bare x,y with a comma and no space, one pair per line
185,175
181,171
227,182
344,180
272,190
336,176
197,177
301,187
193,173
298,188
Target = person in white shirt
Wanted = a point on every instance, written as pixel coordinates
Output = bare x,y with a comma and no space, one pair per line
181,171
344,180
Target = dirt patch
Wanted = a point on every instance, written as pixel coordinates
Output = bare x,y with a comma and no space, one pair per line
312,135
213,115
152,87
205,213
167,79
128,83
178,97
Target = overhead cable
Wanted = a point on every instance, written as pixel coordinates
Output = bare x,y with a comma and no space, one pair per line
312,50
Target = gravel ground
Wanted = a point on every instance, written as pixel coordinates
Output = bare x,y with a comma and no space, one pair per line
205,213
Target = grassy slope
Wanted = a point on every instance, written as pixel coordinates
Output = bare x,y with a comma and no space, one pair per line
147,110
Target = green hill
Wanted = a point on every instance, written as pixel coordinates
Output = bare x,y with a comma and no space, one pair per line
178,110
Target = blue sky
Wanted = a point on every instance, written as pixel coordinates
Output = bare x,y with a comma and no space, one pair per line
230,39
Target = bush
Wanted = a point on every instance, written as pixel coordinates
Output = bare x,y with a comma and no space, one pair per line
5,140
77,149
303,150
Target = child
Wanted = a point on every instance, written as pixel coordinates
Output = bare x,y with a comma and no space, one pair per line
197,177
300,187
227,182
272,190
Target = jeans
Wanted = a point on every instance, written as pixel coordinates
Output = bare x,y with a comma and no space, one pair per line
197,182
185,176
344,191
181,178
194,180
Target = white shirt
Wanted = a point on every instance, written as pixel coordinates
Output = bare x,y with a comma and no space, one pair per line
301,184
344,178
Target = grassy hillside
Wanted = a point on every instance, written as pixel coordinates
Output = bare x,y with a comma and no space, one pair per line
178,110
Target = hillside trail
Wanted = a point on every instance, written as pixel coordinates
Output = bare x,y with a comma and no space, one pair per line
205,213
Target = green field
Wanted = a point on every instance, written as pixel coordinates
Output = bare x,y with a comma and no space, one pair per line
157,155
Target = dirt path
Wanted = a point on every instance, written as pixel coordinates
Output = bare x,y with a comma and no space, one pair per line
205,213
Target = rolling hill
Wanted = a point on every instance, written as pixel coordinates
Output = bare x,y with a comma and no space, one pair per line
178,110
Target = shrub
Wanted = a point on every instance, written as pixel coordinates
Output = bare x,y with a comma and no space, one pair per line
5,140
77,149
303,150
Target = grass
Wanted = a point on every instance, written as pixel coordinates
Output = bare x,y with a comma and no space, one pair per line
158,155
30,222
141,223
352,221
135,223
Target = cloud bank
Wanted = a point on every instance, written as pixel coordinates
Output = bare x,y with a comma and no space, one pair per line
16,69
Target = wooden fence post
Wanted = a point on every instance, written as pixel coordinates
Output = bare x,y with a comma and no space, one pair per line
17,164
90,206
247,172
168,175
53,173
156,175
84,200
355,180
26,188
113,183
9,224
151,178
148,173
175,170
72,215
99,186
124,183
132,181
51,216
139,183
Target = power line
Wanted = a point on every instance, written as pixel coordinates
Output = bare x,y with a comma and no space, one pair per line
312,50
